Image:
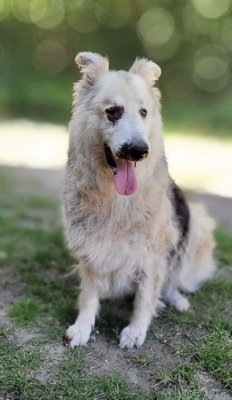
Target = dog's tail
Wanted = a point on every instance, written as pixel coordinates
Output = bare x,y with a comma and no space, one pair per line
198,262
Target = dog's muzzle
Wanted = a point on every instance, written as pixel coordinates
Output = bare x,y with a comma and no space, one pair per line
123,165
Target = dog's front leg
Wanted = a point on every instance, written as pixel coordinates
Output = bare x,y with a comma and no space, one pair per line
145,306
79,333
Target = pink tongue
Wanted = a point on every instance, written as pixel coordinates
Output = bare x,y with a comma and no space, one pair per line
125,179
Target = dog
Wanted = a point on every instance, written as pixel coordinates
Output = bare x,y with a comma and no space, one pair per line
125,219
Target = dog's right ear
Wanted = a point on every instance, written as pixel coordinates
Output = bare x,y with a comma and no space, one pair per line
92,65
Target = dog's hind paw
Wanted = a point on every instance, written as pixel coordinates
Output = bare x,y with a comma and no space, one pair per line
78,335
177,300
132,336
182,304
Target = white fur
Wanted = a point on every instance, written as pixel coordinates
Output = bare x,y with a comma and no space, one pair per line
123,242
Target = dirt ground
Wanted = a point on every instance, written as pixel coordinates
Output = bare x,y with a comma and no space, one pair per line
104,358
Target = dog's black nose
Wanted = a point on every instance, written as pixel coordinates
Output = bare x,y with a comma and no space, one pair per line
137,153
133,151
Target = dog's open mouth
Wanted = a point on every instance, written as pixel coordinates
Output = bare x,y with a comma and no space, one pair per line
124,173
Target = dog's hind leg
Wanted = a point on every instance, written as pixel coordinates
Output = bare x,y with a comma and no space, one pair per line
198,264
79,333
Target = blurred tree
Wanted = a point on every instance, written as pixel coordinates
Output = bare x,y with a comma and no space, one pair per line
190,39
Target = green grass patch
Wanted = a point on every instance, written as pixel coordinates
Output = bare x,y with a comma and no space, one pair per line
215,354
20,371
179,384
224,247
32,246
18,365
26,312
40,202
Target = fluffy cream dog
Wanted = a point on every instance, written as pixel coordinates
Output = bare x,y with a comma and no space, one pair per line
125,219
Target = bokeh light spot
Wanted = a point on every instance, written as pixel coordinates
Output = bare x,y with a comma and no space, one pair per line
211,62
51,14
88,6
212,85
156,26
20,9
73,4
4,8
81,22
226,34
114,13
38,10
211,8
164,52
211,66
51,56
197,24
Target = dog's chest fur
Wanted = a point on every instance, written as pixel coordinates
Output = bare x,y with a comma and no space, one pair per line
119,237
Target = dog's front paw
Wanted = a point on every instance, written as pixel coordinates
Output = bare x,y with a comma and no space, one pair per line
132,336
78,334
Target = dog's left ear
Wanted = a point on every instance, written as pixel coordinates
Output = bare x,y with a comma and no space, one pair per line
149,70
92,65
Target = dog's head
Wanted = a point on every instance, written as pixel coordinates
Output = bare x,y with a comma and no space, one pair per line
123,110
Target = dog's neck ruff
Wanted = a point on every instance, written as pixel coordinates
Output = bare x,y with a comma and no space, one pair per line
125,178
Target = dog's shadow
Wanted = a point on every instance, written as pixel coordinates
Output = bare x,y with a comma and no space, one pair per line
114,315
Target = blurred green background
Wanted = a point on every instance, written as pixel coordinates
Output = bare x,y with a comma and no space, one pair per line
190,39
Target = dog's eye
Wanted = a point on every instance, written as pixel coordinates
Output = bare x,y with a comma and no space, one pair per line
143,112
114,113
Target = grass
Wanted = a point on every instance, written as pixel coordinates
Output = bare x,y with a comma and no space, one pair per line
224,241
214,354
35,260
179,384
26,312
209,116
22,365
